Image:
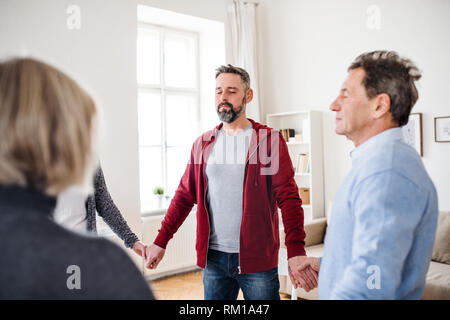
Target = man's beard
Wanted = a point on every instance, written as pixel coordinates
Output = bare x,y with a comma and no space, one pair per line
229,116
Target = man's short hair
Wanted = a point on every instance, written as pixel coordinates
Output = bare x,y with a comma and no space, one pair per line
387,72
236,70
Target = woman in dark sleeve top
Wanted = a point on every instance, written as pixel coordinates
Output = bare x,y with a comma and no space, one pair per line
102,202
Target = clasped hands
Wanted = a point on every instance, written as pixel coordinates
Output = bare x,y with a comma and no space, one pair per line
152,254
304,272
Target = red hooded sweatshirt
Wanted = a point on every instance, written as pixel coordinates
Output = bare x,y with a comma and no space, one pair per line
268,183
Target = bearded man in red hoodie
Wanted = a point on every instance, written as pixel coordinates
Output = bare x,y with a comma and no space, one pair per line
238,174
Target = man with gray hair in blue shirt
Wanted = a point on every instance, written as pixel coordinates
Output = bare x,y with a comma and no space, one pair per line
382,228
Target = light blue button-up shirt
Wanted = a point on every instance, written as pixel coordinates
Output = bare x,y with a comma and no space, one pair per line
380,238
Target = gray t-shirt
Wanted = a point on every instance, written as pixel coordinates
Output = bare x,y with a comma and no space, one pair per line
225,170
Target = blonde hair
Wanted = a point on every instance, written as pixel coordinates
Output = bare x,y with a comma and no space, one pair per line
46,127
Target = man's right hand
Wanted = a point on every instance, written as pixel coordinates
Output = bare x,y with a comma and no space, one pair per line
154,256
311,263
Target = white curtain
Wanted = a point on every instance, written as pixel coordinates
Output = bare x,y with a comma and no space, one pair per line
242,20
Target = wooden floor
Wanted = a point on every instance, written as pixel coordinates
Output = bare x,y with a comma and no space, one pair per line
187,286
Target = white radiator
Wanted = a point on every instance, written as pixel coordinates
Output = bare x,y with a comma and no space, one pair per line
180,253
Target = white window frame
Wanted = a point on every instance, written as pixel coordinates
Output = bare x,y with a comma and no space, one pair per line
164,90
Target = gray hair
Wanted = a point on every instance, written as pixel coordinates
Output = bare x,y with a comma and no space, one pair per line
236,70
387,72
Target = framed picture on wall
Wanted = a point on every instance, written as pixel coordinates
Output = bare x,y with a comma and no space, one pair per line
442,129
412,132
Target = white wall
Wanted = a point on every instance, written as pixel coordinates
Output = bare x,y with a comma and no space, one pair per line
305,47
102,56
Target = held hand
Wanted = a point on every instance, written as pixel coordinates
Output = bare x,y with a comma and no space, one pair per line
139,247
154,256
303,272
311,262
310,265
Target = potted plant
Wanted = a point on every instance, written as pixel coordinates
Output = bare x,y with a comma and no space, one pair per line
159,195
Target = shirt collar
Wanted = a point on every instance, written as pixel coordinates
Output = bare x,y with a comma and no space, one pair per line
380,139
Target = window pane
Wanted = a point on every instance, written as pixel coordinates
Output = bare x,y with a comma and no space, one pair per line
148,57
181,117
180,63
149,118
150,174
177,159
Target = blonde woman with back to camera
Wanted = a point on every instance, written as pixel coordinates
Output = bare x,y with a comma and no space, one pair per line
47,123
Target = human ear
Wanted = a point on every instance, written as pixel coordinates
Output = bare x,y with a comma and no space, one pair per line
382,105
249,96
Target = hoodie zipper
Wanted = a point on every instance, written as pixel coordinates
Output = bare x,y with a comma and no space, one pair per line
204,198
209,223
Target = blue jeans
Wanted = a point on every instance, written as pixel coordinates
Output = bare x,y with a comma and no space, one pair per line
222,280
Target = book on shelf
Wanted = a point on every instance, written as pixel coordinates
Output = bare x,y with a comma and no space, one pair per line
302,163
287,134
304,195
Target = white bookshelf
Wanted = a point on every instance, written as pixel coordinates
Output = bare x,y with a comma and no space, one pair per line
309,124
